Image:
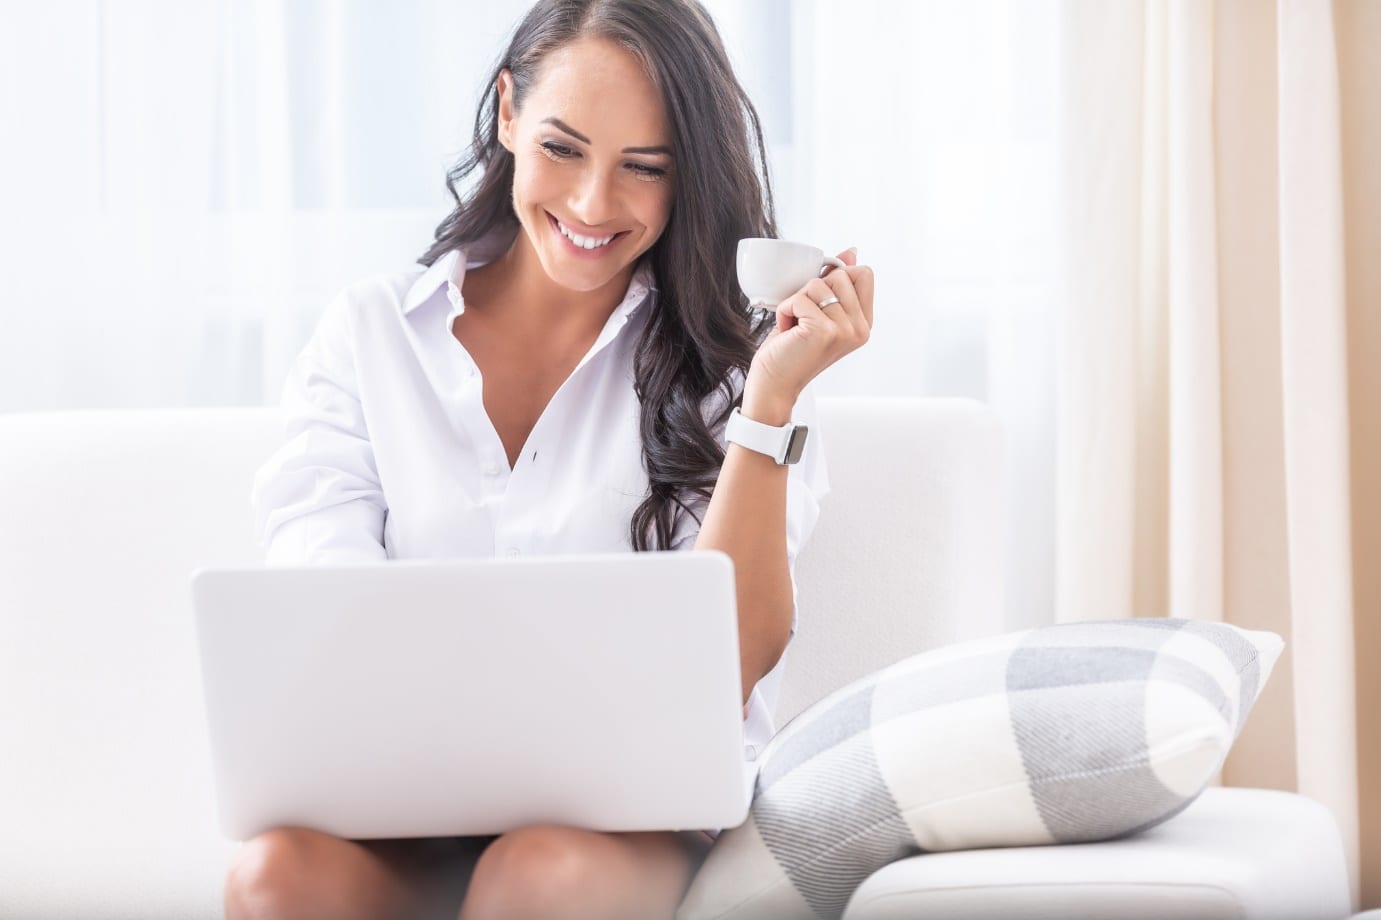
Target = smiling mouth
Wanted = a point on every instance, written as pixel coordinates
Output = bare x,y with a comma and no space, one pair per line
556,225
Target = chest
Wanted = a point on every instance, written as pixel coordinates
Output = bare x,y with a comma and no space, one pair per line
514,399
519,380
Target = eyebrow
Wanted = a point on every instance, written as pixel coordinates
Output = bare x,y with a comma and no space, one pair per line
552,119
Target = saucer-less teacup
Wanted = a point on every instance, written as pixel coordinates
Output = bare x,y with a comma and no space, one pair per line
770,271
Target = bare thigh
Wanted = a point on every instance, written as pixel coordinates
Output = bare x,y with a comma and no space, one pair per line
553,871
295,872
300,873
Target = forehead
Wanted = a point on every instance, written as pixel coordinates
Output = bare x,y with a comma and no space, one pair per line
603,84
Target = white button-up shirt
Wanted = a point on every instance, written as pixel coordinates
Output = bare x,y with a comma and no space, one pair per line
389,452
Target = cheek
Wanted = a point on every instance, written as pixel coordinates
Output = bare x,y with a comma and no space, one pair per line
534,180
659,208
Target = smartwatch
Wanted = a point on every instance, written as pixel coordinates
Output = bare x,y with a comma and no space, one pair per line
784,445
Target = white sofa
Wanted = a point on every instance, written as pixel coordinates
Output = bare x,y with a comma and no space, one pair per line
106,803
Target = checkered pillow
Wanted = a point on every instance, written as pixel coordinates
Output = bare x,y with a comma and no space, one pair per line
1060,734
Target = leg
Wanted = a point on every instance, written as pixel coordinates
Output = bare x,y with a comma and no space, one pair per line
293,872
551,872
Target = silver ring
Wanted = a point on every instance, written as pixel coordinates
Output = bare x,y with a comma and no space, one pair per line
828,301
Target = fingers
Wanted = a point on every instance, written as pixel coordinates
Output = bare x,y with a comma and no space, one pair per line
862,278
806,302
853,285
849,313
819,289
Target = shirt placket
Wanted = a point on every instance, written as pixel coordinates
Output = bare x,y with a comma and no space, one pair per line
508,495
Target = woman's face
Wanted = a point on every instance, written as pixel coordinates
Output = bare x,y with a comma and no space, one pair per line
582,161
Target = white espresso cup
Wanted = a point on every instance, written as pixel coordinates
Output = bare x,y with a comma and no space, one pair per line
770,271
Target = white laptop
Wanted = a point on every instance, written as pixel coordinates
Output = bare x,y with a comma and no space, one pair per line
423,698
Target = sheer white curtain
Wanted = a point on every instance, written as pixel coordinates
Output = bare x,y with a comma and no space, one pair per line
187,182
192,180
925,134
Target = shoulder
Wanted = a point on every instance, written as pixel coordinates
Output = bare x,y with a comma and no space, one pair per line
369,300
361,311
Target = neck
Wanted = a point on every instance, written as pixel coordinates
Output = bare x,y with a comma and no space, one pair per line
532,302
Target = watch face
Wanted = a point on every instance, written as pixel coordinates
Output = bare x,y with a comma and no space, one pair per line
797,445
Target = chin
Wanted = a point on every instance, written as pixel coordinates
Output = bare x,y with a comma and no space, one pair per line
584,277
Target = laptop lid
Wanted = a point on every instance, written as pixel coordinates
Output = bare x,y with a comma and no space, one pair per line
417,698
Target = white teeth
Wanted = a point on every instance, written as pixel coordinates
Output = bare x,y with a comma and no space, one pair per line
584,242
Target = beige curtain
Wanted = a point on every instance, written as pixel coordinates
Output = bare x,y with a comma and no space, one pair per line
1219,407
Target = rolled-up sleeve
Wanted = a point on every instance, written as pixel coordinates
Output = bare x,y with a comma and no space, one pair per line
807,484
317,499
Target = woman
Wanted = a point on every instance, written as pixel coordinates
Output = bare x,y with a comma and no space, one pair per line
570,356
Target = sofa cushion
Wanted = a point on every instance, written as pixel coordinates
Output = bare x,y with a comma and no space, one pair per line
1234,854
1061,734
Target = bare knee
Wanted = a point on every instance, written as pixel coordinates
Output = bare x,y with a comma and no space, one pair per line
278,874
533,872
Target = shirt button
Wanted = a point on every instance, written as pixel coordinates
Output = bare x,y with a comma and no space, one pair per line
514,551
750,751
491,470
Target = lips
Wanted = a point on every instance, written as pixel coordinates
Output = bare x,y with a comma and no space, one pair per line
556,226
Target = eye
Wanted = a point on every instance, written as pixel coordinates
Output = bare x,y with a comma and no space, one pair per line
562,152
557,151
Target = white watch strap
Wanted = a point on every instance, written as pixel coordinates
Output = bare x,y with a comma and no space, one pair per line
765,439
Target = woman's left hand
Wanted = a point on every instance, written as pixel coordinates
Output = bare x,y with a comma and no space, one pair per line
809,339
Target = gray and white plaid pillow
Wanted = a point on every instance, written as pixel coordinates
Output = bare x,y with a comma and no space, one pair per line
1060,734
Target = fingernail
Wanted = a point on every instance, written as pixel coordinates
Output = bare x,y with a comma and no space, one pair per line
853,249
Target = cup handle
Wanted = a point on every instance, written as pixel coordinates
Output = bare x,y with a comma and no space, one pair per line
832,262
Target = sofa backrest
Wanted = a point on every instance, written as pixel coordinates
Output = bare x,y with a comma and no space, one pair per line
907,553
106,513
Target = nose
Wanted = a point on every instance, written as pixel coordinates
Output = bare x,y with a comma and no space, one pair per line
594,201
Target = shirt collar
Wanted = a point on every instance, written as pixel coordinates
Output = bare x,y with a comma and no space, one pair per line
449,271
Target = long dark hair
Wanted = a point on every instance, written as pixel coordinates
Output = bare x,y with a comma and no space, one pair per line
702,329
